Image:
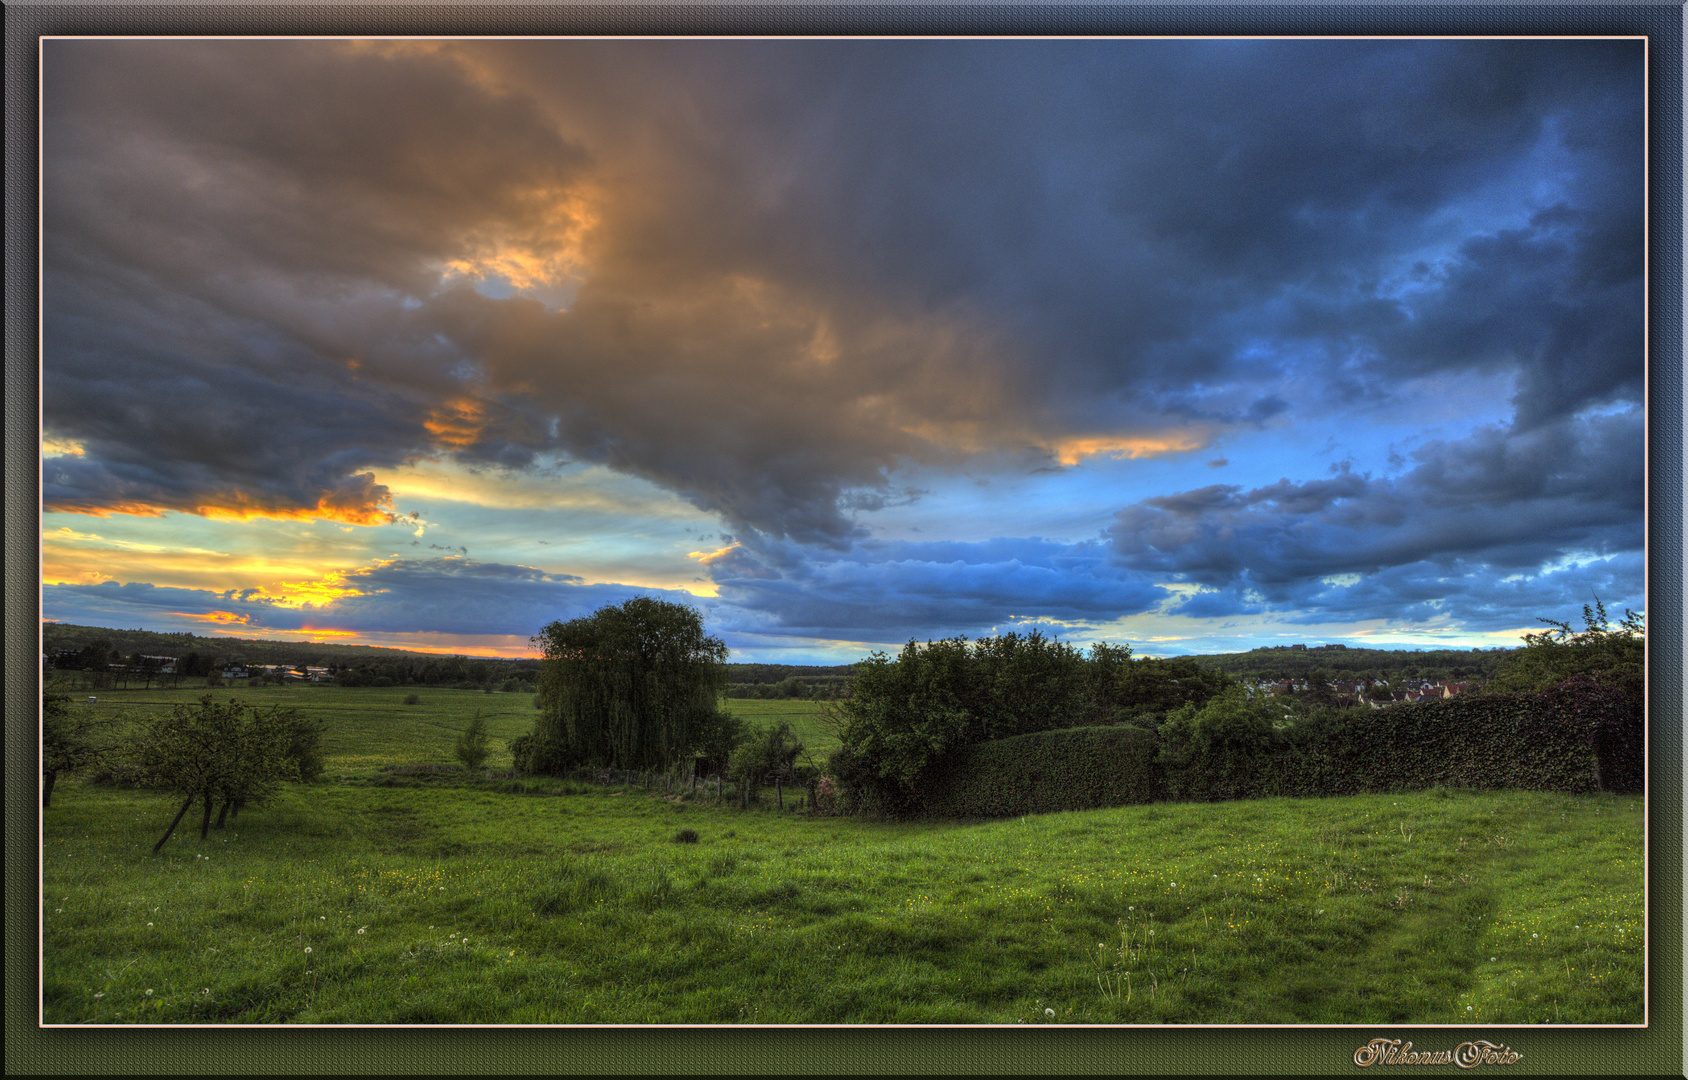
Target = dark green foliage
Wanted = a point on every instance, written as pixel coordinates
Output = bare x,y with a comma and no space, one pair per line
304,743
1357,664
472,748
1583,735
220,752
1046,771
904,717
412,699
1147,686
1224,749
766,754
634,686
1610,706
686,836
722,732
1481,741
67,742
1549,658
72,647
536,755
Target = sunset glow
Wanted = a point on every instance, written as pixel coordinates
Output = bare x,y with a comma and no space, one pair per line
1194,344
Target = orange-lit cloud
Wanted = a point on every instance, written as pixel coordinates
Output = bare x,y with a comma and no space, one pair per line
93,509
324,590
220,618
549,255
456,423
707,557
331,507
238,506
52,447
1074,450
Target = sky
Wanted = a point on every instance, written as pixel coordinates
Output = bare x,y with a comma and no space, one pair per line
1193,345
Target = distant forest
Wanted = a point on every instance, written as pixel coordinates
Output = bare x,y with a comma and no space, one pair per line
61,637
1344,662
368,665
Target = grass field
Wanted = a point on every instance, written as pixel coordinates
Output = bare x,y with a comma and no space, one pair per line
435,898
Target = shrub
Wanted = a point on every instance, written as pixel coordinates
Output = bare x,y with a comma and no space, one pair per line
906,718
766,753
472,748
1224,749
536,755
686,836
413,699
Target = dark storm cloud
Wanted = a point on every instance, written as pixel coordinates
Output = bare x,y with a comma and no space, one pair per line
897,591
230,236
464,596
778,270
1441,538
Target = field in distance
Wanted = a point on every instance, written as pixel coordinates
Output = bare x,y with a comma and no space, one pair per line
366,728
460,901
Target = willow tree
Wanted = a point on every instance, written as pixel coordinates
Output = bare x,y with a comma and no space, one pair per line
633,686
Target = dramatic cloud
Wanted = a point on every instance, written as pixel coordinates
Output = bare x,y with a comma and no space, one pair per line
781,280
897,591
1498,504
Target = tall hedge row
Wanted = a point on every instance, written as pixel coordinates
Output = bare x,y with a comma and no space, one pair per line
1045,771
1501,741
1582,736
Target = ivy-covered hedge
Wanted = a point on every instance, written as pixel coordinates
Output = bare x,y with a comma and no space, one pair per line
1500,741
1045,771
1583,735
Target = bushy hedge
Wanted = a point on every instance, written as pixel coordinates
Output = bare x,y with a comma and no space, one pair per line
1581,736
1045,771
1499,741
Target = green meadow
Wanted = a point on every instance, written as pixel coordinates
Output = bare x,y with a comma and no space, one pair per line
392,892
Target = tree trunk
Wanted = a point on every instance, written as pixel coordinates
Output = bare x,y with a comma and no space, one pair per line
779,795
49,775
205,822
180,814
223,814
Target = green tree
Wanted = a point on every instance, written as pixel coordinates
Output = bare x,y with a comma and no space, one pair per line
1555,655
631,686
68,742
766,754
1148,686
1219,750
905,716
472,746
720,736
219,752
